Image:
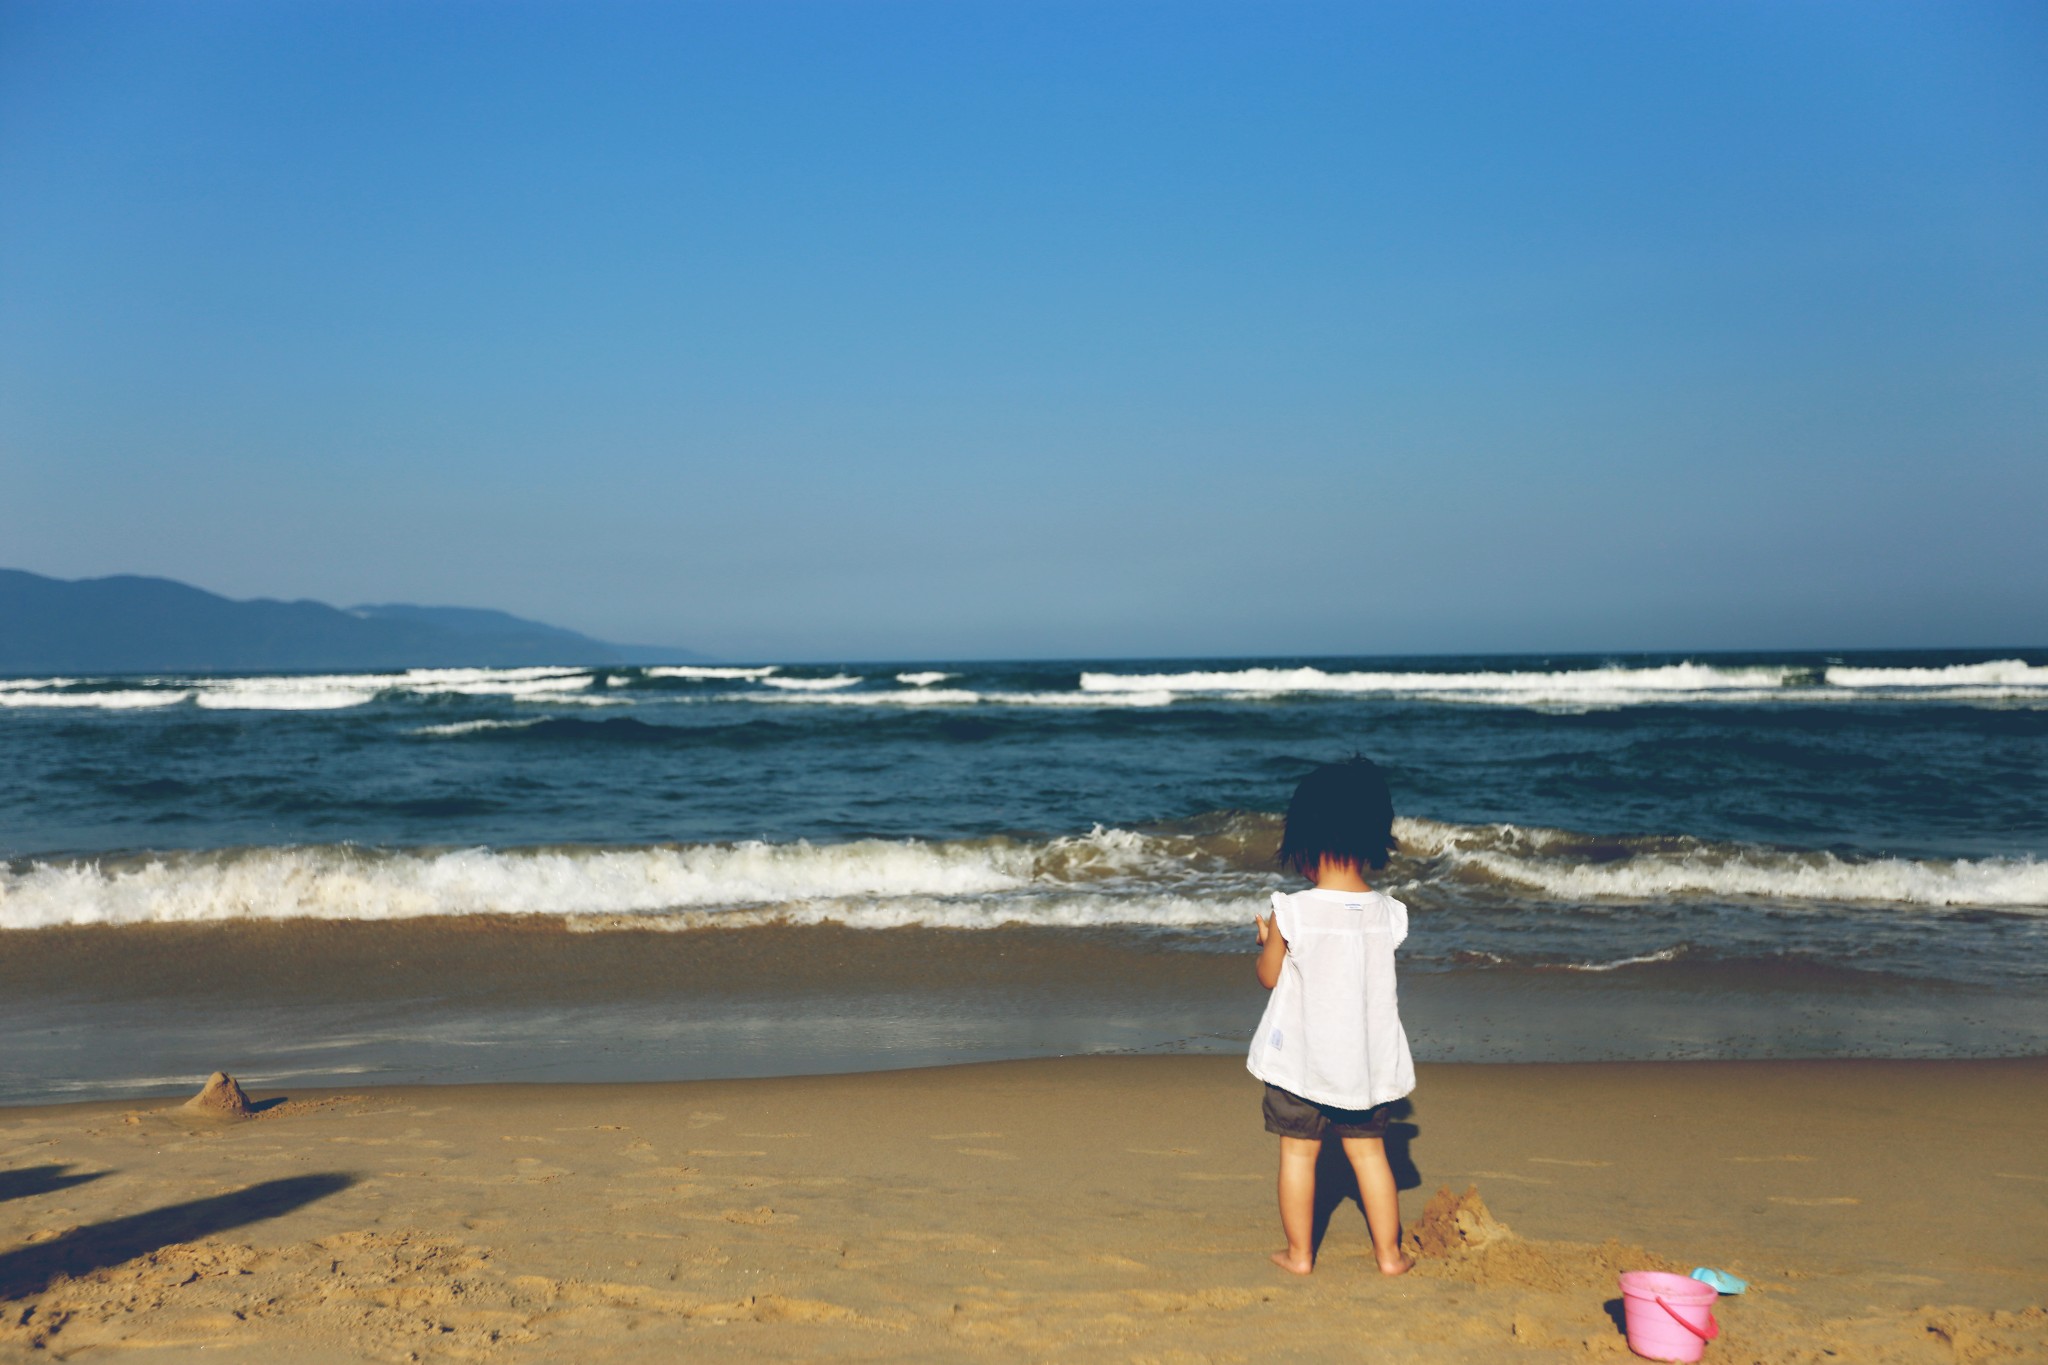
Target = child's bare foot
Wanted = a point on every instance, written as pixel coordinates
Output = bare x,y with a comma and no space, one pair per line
1400,1265
1299,1265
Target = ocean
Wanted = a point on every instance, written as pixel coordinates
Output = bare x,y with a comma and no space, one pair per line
665,872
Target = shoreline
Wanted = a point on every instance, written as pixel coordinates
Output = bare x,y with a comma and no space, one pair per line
1890,1211
131,1011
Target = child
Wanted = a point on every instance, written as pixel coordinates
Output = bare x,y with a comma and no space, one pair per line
1330,1046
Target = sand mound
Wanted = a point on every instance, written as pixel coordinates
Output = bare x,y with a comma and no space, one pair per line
222,1095
1452,1224
1458,1238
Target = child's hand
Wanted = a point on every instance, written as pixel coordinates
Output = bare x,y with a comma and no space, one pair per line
1265,927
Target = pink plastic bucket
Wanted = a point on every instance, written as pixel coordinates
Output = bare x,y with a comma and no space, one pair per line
1669,1317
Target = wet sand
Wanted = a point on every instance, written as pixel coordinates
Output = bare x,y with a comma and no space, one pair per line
136,1010
1115,1208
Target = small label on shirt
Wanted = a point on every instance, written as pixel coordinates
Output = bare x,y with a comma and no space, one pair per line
1277,1041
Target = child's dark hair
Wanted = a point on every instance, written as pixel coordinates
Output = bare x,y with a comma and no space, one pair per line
1342,811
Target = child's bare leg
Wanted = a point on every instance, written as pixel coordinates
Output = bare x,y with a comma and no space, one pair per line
1298,1203
1382,1202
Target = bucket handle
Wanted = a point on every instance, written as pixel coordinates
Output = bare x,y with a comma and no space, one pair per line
1713,1328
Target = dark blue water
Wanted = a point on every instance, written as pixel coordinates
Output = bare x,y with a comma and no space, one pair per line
1869,812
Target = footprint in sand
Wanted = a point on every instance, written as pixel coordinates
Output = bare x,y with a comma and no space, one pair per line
1510,1175
776,1135
1759,1160
704,1118
961,1137
985,1151
1815,1202
1164,1151
1231,1175
2015,1175
720,1151
1561,1161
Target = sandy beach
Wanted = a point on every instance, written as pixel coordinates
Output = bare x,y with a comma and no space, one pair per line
1079,1208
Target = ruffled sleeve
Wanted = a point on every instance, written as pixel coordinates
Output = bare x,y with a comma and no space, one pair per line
1397,920
1283,915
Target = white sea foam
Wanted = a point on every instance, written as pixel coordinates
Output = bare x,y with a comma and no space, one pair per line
1124,876
919,696
960,696
471,727
1550,862
127,699
337,691
1666,678
2001,882
508,685
1590,688
1584,686
300,692
291,693
1640,960
1073,910
2000,673
1134,698
831,684
432,678
923,679
346,883
708,671
1109,876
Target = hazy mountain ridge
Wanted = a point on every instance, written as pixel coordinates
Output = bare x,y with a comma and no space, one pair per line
127,623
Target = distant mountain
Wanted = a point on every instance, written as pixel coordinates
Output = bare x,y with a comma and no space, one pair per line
483,623
128,624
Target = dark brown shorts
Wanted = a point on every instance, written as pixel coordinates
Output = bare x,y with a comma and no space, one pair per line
1289,1115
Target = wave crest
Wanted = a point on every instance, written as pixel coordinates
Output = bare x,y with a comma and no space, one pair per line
1211,871
1562,865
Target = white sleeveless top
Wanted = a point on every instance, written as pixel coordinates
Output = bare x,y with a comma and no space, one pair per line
1332,1029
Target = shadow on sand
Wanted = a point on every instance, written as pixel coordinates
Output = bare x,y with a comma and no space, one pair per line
1336,1183
28,1180
83,1250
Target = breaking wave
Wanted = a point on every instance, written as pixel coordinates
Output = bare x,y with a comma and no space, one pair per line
1561,865
707,671
2000,673
299,692
2002,682
474,727
1211,872
1092,879
960,696
830,684
124,699
1613,686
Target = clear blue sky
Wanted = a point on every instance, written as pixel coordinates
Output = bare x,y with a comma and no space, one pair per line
993,329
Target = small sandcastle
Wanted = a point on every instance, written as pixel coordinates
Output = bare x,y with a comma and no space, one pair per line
222,1096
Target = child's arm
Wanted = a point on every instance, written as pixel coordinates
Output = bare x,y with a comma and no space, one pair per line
1272,950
